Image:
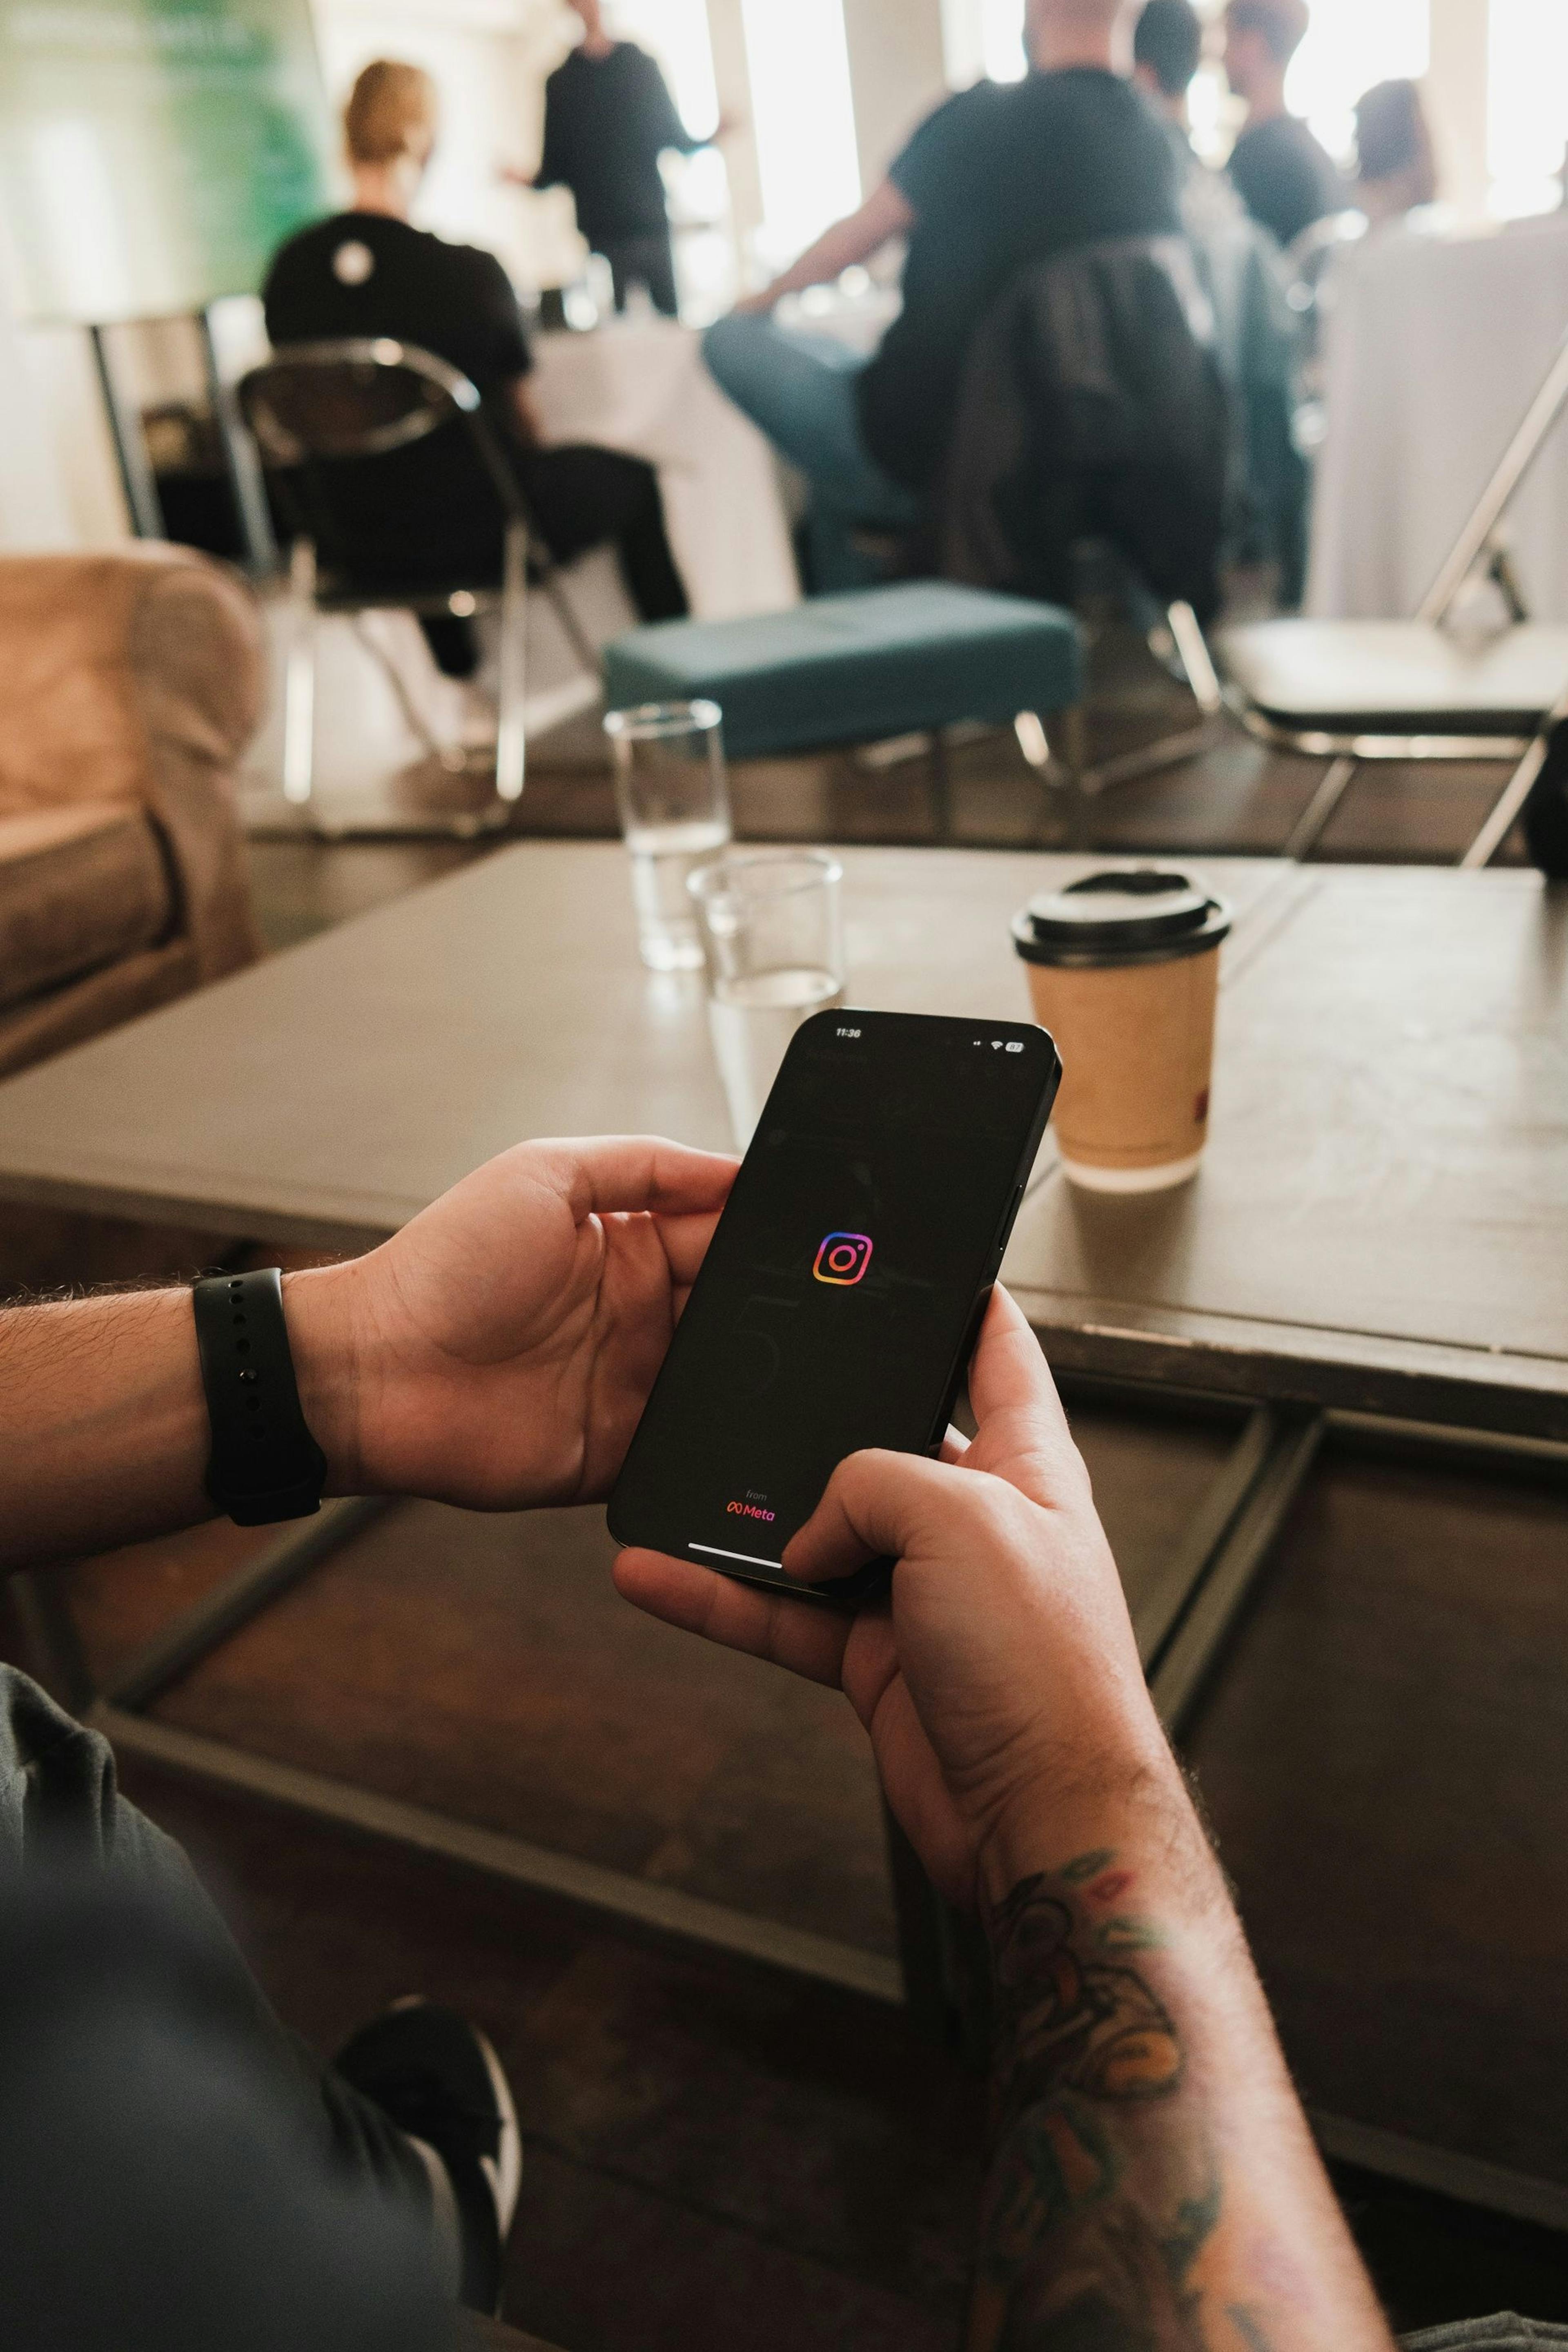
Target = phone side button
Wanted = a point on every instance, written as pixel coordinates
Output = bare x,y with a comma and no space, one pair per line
1004,1231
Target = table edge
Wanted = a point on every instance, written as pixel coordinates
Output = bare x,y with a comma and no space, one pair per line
1394,1378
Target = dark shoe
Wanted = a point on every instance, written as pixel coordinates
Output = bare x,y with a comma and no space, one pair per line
439,2080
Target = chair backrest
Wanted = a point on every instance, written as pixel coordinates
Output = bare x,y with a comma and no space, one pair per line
382,453
1093,404
342,400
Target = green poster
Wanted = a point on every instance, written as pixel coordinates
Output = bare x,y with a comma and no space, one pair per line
153,153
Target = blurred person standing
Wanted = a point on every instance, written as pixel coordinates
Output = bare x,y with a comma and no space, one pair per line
608,117
1284,177
1257,333
1167,50
369,273
1001,176
1397,163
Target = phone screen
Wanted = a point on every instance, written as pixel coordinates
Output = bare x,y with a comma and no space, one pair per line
839,1300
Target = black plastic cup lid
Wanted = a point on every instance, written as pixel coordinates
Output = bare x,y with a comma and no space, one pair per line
1122,915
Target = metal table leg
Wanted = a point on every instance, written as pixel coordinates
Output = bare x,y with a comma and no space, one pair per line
1221,1589
662,1912
51,1635
231,1606
1321,809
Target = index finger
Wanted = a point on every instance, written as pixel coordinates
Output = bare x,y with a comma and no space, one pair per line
685,1242
806,1641
618,1175
874,1504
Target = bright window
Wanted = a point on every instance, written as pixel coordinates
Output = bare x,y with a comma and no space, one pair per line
1351,47
983,40
676,32
1527,108
1001,38
804,118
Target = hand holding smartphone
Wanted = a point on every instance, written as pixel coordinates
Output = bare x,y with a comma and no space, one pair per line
844,1291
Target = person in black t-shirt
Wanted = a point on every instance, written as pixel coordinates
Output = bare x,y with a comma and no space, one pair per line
368,273
1167,50
1284,178
997,178
608,117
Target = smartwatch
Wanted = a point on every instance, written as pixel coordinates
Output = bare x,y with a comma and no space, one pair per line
265,1466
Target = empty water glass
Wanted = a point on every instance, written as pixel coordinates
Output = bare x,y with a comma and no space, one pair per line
772,927
673,797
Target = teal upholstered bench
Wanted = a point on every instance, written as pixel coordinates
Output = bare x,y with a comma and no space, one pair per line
859,668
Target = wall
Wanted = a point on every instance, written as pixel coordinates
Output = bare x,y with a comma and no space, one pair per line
34,507
898,68
59,480
1456,92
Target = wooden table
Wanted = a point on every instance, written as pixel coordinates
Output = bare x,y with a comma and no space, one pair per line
642,387
1381,1222
328,1096
1378,1231
1378,1226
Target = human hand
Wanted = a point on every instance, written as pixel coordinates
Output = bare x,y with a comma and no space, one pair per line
1000,1685
499,1350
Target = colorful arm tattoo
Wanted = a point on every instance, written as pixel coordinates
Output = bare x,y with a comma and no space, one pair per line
1104,2191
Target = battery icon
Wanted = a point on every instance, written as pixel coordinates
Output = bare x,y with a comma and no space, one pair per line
1015,1049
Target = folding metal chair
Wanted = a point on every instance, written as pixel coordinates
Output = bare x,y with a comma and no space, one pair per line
1357,692
314,409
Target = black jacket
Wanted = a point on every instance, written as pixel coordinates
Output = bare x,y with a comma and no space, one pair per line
1093,407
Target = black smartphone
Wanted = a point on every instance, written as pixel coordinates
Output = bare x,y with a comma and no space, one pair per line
844,1289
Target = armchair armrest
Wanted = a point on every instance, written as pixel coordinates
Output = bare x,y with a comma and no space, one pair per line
136,676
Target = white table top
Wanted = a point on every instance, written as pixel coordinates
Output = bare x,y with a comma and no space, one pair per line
640,386
1435,348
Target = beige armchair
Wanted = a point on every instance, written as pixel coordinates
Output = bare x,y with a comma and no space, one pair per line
131,682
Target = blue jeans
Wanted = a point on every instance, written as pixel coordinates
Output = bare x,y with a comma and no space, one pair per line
801,389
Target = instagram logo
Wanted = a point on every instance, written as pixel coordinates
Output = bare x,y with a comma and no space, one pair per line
843,1259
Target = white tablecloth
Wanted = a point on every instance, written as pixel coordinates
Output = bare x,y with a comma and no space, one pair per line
642,387
1435,348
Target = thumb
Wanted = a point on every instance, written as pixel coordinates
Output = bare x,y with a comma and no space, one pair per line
877,1506
1009,1373
1022,1431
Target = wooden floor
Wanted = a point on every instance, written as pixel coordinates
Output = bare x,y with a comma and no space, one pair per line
719,2156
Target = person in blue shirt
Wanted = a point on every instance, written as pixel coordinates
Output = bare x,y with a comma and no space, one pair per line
997,178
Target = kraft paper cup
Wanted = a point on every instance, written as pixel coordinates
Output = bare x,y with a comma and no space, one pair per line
1124,968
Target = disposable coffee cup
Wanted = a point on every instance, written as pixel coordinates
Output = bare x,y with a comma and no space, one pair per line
1124,968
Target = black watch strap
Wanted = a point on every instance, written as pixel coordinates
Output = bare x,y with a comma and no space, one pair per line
265,1466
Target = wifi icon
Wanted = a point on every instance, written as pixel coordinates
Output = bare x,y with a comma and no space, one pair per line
996,1044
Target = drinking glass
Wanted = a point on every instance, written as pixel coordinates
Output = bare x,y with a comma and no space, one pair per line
674,799
772,928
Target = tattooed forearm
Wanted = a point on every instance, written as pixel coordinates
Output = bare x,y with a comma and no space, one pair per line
1104,2191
